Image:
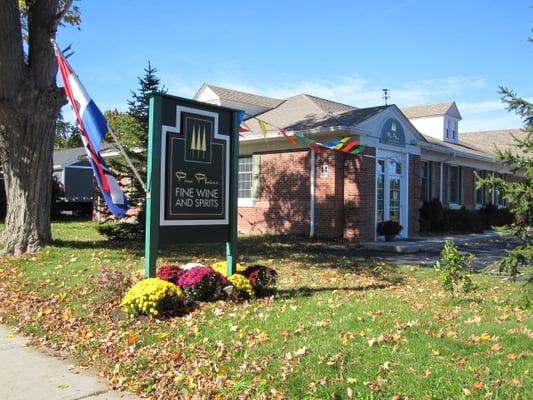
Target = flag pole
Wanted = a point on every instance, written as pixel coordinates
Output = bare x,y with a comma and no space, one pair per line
128,160
115,138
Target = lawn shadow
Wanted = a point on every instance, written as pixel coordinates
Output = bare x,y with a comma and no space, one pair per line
306,291
302,250
135,247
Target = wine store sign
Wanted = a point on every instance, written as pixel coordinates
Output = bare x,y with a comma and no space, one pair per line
192,174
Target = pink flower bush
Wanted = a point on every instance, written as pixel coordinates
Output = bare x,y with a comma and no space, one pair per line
203,283
262,279
170,273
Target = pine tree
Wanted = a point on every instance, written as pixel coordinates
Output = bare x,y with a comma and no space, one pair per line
517,193
139,102
132,129
67,134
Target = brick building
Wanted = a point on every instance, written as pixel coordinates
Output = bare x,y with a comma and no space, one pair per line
412,155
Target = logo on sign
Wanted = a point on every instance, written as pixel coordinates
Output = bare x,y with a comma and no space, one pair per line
198,139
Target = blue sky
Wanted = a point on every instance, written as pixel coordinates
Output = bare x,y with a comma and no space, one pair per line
423,51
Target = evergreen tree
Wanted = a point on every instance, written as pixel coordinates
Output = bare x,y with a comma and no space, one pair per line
132,129
518,193
67,134
139,102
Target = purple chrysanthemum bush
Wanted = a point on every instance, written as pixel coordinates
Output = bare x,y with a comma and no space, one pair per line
202,283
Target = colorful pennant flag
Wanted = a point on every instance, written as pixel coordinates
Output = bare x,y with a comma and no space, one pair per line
346,145
264,127
93,128
313,144
290,139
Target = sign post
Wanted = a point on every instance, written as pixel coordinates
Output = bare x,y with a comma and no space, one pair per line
193,155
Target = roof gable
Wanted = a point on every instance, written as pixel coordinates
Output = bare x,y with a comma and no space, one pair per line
432,110
374,124
241,97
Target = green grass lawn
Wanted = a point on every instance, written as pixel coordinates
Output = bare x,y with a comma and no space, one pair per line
338,327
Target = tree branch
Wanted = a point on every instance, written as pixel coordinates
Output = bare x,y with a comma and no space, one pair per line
62,12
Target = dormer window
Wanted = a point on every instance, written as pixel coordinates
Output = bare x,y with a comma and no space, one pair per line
450,131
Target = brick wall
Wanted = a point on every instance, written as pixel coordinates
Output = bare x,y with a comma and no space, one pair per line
329,193
284,204
415,184
359,195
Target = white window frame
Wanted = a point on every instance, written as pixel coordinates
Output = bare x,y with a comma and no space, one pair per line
454,205
246,201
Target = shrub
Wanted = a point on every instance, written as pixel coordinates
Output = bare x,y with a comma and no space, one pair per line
170,273
432,218
122,231
494,216
153,296
389,229
451,268
464,221
262,279
203,283
222,267
113,282
436,218
242,286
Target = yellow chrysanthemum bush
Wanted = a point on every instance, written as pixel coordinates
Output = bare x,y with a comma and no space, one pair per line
242,288
222,267
153,296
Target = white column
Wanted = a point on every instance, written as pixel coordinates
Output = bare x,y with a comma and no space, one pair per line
312,192
441,192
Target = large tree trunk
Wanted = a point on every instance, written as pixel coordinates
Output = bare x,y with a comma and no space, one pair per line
29,105
27,170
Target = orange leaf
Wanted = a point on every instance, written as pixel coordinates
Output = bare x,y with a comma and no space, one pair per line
478,385
496,347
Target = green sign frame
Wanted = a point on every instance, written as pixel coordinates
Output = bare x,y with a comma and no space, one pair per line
192,176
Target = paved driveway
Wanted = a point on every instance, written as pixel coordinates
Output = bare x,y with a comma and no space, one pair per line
486,252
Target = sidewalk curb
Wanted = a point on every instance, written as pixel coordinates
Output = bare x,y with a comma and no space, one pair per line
28,374
433,243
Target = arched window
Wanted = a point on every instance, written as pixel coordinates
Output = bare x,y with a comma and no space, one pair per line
392,133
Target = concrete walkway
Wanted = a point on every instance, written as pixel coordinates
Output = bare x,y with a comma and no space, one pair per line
428,243
30,375
487,248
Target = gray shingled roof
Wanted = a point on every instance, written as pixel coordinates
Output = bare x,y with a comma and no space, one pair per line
428,110
489,141
303,112
328,105
247,98
68,156
458,147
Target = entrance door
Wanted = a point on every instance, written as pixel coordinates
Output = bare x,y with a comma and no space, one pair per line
391,195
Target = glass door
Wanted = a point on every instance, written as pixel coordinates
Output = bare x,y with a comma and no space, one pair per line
389,190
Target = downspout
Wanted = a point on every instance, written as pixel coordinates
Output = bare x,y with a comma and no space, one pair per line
313,195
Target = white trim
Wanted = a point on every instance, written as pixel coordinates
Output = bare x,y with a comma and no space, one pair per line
175,129
441,183
403,158
454,206
245,202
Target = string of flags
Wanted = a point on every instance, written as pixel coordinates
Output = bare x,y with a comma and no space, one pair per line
346,145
